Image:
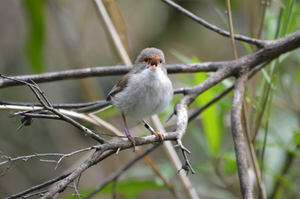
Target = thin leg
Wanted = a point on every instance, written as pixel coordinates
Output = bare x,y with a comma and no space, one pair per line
133,140
152,131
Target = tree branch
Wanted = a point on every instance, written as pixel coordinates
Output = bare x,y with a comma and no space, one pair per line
40,186
237,133
117,173
256,42
106,71
78,171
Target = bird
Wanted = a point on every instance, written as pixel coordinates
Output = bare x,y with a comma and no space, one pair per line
144,91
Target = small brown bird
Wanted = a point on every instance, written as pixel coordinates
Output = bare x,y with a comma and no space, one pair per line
144,91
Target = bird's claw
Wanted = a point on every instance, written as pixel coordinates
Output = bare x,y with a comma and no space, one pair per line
161,136
133,140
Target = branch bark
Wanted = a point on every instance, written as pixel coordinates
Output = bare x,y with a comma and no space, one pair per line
237,133
77,172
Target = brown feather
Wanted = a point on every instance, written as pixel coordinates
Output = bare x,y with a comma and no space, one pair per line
122,83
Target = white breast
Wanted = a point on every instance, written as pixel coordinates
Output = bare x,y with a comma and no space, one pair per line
146,94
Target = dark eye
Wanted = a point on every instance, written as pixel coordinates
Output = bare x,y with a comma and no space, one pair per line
160,61
146,59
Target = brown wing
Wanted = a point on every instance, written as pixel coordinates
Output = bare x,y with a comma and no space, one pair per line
122,83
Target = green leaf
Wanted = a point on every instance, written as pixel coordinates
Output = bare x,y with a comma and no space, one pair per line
210,117
295,19
297,137
198,137
181,57
229,159
129,189
287,17
254,103
230,166
298,73
34,45
266,75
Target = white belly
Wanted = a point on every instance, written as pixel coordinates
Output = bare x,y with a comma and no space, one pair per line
147,93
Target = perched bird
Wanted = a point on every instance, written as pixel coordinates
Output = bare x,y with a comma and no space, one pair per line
144,91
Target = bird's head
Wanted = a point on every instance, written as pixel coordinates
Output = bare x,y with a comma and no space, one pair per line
151,57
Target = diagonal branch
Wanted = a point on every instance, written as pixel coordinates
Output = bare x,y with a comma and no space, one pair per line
40,186
256,42
77,172
181,108
117,173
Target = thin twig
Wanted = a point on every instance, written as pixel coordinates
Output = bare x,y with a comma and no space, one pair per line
47,106
73,153
9,166
231,29
27,157
61,105
262,20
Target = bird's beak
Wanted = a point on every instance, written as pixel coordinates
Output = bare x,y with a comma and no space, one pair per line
154,62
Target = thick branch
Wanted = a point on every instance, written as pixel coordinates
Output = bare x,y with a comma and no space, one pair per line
270,50
237,133
233,68
106,71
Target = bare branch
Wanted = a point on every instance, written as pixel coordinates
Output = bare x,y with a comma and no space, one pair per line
61,105
238,137
47,106
256,42
78,171
26,158
225,92
40,186
106,71
117,173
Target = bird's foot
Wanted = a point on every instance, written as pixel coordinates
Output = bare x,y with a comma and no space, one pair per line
133,140
153,132
161,136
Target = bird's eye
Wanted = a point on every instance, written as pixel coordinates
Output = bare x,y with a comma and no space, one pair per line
160,61
146,59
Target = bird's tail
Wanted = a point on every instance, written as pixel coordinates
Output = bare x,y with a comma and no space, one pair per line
95,108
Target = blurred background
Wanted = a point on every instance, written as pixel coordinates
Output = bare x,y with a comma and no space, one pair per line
50,35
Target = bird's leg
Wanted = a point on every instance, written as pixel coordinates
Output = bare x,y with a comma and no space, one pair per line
152,131
133,140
